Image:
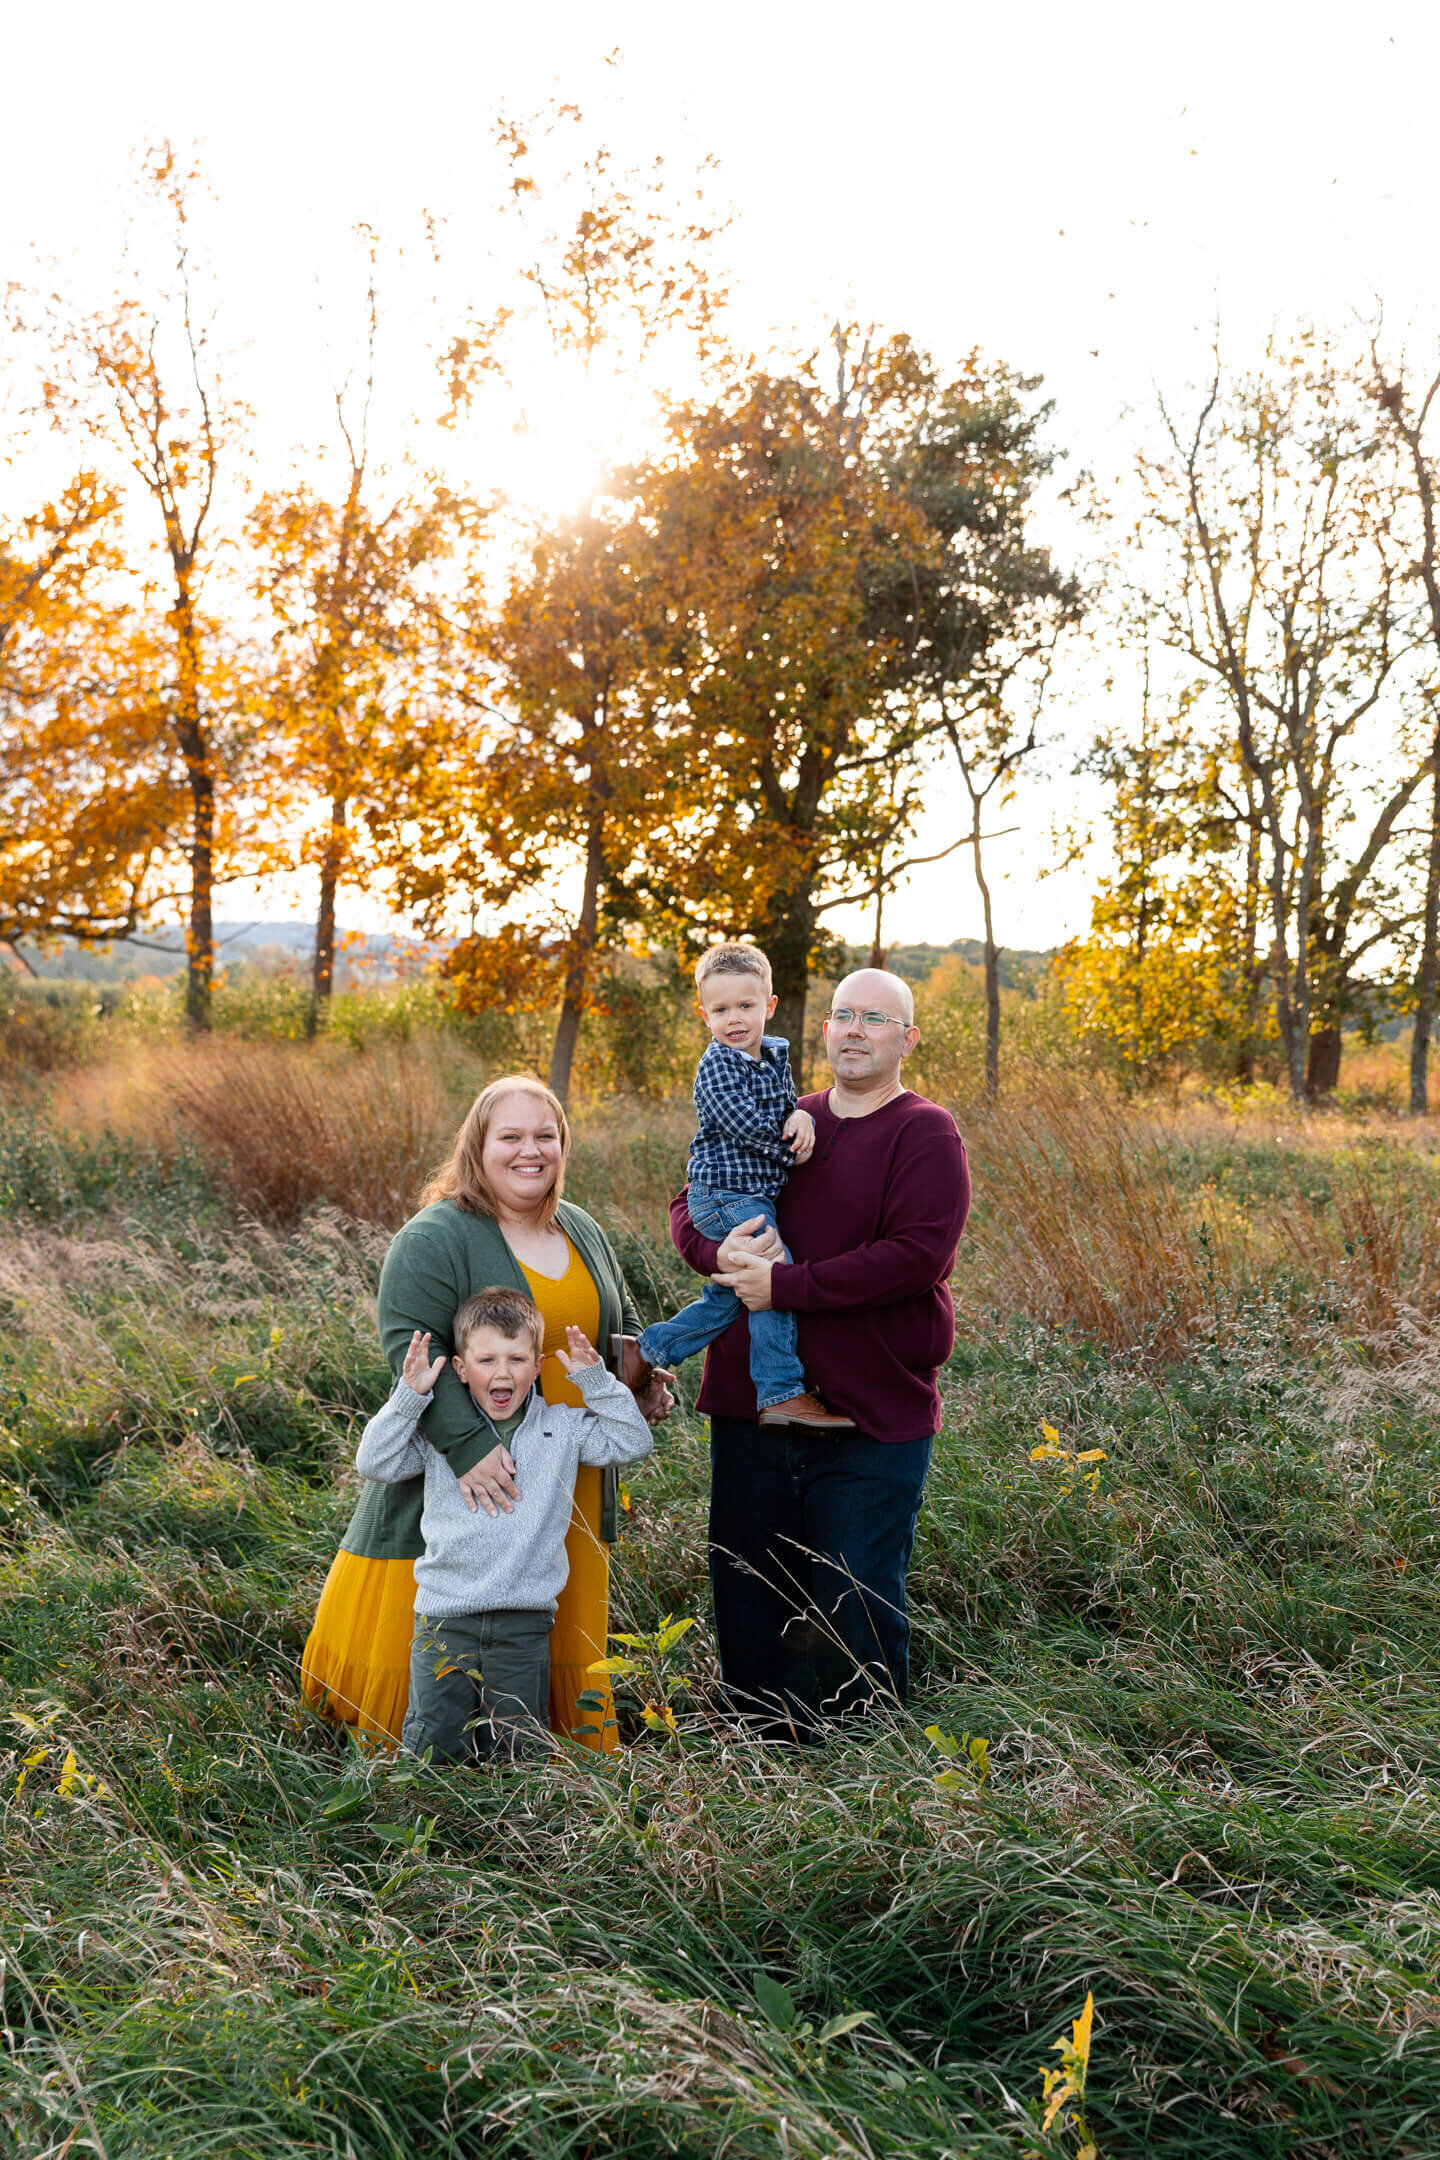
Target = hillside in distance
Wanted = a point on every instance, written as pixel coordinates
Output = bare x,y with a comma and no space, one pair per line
272,947
1019,967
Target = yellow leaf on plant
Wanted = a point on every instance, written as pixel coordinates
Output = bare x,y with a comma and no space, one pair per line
68,1775
1081,2030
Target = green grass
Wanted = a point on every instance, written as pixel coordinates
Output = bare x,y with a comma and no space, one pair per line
1210,1687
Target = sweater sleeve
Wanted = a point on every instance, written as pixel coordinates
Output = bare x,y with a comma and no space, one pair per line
696,1251
927,1199
390,1446
419,1289
611,1429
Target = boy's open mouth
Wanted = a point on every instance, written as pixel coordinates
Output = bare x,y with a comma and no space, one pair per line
502,1394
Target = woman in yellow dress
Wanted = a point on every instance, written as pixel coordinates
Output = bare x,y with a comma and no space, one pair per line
493,1214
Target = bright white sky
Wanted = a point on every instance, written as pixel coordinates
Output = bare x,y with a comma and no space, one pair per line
1080,191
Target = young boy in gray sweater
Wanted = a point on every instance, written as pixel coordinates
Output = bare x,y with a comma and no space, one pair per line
486,1585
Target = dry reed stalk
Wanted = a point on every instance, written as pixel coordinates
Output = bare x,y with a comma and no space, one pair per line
1081,1221
286,1127
1077,1222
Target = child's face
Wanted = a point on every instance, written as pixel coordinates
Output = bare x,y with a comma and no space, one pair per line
736,1008
498,1369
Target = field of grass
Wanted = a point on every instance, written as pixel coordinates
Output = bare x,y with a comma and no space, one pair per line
1204,1666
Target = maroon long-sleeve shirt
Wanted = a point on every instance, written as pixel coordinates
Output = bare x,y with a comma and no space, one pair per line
872,1223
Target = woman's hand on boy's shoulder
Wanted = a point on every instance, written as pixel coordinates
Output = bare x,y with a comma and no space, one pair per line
490,1483
418,1372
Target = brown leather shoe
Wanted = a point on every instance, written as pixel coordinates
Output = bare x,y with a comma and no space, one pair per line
630,1367
806,1410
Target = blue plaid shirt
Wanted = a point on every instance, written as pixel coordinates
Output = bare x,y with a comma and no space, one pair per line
741,1104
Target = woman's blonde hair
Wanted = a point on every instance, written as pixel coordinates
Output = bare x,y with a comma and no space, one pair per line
462,1180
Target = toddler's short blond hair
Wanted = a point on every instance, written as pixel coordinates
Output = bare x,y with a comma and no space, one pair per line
508,1311
731,960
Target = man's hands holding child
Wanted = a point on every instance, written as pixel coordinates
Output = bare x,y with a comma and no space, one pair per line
417,1371
799,1130
744,1260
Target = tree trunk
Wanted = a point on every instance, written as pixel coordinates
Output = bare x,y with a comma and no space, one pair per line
190,733
787,935
992,967
331,863
200,933
1252,972
1429,963
1322,1068
582,948
877,948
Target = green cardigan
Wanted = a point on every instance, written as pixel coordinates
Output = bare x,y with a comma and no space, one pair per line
441,1257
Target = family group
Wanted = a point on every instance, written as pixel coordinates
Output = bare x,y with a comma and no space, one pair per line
469,1600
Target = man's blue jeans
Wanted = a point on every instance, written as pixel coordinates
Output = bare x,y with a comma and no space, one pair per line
810,1538
774,1364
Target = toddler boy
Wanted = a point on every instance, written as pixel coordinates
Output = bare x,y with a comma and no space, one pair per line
749,1135
485,1587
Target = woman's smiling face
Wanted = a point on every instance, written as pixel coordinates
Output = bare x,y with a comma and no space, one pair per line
522,1154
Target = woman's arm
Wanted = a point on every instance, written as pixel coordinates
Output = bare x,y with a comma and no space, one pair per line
419,1292
699,1253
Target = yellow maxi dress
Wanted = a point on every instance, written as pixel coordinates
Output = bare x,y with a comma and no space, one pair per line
355,1669
582,1615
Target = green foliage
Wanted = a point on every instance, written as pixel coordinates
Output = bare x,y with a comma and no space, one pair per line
1204,1799
47,1176
46,1025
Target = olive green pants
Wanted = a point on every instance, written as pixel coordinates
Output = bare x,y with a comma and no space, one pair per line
479,1684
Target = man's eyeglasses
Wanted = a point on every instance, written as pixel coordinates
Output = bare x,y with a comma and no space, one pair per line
842,1015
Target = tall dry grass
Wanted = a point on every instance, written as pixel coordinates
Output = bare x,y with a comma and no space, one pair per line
1140,1227
1135,1225
285,1128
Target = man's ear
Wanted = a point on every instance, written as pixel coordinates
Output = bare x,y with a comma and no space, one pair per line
909,1041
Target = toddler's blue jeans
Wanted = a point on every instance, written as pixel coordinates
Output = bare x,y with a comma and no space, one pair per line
774,1363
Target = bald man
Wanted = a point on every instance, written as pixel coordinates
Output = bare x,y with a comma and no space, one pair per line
811,1535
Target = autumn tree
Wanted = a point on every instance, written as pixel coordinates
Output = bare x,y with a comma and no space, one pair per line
1280,519
1409,418
139,375
360,627
836,543
574,772
615,267
978,621
85,820
1163,970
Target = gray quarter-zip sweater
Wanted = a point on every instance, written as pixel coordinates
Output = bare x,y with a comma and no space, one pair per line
503,1563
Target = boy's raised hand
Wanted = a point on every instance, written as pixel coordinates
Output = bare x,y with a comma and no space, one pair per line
417,1372
581,1351
799,1130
